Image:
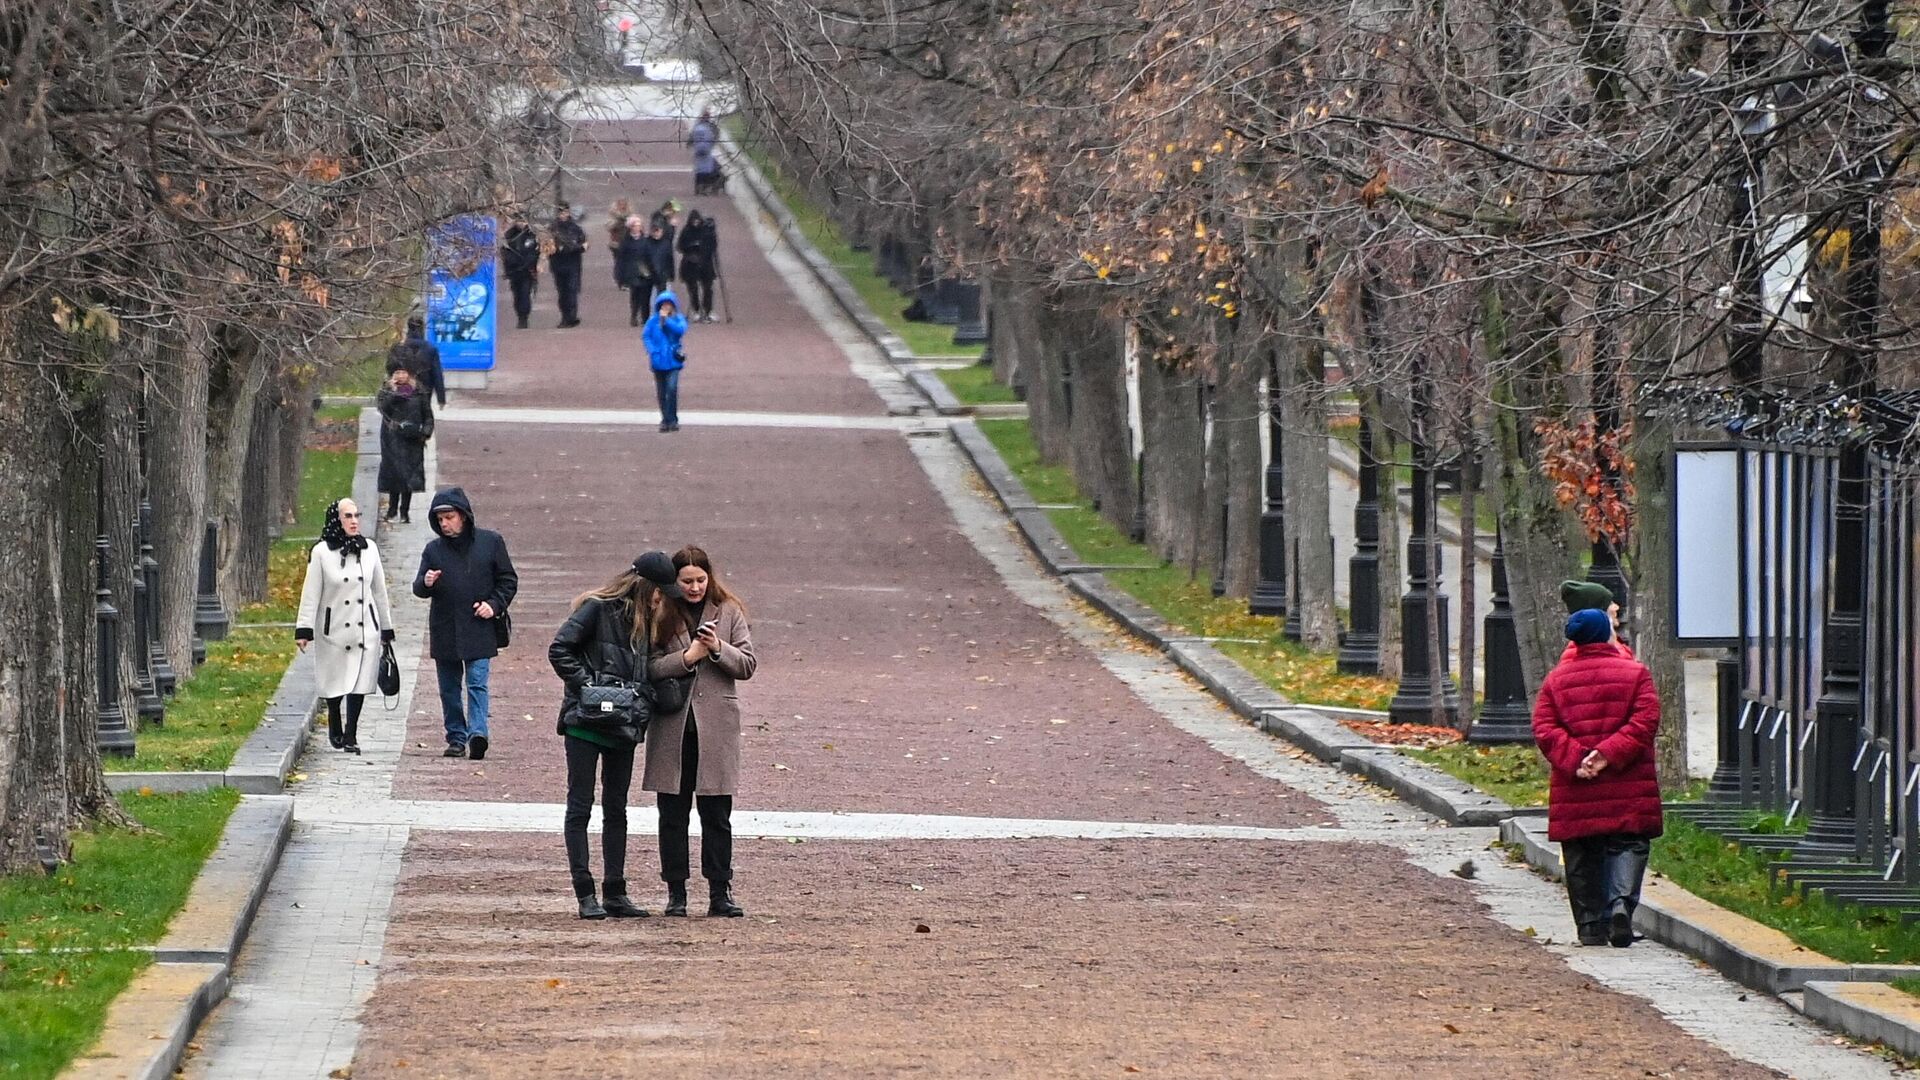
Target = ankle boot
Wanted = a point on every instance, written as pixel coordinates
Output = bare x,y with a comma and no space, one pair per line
589,907
617,903
720,901
351,738
333,732
676,900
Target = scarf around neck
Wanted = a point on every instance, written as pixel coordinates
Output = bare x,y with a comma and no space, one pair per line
334,535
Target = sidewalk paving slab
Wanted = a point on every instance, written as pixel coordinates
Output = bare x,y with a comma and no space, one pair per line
150,1023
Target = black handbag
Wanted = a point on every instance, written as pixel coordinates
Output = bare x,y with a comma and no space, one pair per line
502,629
388,679
670,695
610,704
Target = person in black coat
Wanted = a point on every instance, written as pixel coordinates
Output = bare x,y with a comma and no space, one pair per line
699,262
420,357
633,259
604,642
468,576
520,258
406,424
569,244
659,255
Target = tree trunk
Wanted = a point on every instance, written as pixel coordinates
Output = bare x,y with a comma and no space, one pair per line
238,375
259,504
1171,413
1651,569
177,477
120,473
1305,454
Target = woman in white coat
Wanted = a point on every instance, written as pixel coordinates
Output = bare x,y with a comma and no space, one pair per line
344,617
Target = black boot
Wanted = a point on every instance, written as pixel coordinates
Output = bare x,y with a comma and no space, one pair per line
333,731
618,905
351,737
589,907
676,900
720,901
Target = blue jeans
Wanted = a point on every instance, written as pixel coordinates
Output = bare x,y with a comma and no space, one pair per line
471,676
666,387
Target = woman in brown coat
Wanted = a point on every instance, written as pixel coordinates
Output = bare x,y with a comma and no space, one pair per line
693,751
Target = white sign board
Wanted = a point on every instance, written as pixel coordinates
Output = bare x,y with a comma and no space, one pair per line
1706,546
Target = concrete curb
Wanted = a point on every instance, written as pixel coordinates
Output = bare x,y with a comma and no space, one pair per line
1873,1011
1317,734
149,1026
219,911
1453,801
1755,956
935,388
150,1023
991,466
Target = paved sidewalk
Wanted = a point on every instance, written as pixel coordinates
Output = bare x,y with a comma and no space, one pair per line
982,833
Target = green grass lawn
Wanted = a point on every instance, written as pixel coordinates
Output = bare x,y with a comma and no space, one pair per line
925,339
1516,773
121,889
1185,602
1737,879
976,385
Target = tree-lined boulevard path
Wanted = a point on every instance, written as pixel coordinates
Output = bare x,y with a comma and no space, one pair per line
980,832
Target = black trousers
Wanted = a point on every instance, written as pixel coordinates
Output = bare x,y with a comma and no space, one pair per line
616,775
700,294
638,292
399,504
522,285
566,282
716,821
351,730
1603,871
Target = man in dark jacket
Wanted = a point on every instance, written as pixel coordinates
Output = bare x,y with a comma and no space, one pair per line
421,358
520,258
470,580
1595,722
569,243
699,262
658,253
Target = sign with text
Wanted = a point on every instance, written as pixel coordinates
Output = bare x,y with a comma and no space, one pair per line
460,292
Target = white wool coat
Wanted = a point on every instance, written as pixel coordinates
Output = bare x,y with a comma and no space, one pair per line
344,608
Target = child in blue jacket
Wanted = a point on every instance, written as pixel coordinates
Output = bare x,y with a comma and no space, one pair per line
662,334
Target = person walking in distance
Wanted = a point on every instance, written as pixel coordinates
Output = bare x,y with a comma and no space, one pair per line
1595,722
520,258
470,580
702,651
702,138
344,617
662,334
406,423
699,250
420,357
633,263
569,245
605,643
617,215
659,254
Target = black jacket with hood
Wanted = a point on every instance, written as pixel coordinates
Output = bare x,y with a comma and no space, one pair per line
473,567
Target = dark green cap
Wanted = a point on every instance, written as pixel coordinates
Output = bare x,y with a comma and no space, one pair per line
1581,595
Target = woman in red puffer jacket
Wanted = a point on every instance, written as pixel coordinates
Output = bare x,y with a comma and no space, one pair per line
1595,721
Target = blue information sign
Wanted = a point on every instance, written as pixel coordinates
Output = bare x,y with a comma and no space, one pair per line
460,292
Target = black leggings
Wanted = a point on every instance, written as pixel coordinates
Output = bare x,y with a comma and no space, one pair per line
399,504
638,292
716,821
616,774
700,294
350,734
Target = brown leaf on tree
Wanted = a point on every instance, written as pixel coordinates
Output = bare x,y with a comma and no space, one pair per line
1374,188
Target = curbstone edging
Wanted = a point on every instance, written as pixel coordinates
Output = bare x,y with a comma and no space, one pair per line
1132,615
1013,494
149,1025
1873,1011
1679,920
1454,801
938,392
1316,733
226,895
1234,685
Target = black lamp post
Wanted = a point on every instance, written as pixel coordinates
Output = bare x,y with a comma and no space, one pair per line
146,695
1270,590
1360,646
165,679
1504,717
1425,681
210,619
111,730
1219,587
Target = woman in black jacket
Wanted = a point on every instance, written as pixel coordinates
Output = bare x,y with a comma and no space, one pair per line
633,264
604,642
407,423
